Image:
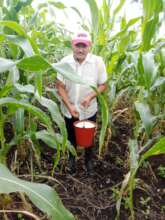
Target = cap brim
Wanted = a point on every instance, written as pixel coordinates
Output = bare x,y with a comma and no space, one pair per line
78,41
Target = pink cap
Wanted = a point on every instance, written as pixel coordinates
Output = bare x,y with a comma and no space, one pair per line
82,37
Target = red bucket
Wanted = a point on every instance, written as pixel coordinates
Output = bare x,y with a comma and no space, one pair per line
84,132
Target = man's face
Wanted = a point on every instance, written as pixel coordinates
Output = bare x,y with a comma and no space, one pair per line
80,51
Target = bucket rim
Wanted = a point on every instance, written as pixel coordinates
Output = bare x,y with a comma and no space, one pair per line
85,120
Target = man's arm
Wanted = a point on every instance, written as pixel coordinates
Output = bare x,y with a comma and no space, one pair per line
86,101
63,94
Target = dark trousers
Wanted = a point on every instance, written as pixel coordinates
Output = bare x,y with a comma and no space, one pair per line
71,136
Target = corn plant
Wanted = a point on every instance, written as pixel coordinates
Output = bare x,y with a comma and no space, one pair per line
135,66
135,63
137,157
43,196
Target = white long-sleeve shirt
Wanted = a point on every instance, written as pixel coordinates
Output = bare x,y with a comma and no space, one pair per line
91,70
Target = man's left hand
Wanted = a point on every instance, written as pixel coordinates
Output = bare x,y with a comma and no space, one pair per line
86,101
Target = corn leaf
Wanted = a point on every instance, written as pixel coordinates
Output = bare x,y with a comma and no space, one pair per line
53,140
148,33
160,81
77,11
133,147
104,119
123,187
25,88
20,31
5,90
21,42
33,63
6,64
147,118
34,110
19,121
117,9
50,105
58,5
56,116
151,7
42,196
156,149
14,26
147,69
38,82
13,76
67,72
94,15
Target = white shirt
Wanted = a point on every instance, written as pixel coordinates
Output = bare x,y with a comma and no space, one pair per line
94,72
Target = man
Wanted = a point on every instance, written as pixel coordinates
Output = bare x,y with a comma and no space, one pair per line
79,101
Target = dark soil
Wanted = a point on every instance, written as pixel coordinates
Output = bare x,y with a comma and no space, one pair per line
94,197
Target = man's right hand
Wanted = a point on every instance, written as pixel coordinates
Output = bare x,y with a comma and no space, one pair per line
73,111
63,93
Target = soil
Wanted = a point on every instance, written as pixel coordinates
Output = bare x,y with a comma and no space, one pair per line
94,197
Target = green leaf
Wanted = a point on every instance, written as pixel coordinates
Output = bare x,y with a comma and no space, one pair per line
20,31
77,11
123,44
13,76
2,38
150,68
147,118
33,63
156,149
14,26
94,16
56,116
132,21
133,147
19,121
148,33
162,57
160,81
117,9
58,5
123,187
34,110
42,196
51,106
112,91
67,71
6,64
5,90
47,138
147,69
104,119
152,7
53,140
25,88
21,42
38,82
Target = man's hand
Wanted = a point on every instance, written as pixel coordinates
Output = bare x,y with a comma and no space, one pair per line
86,101
73,111
64,95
